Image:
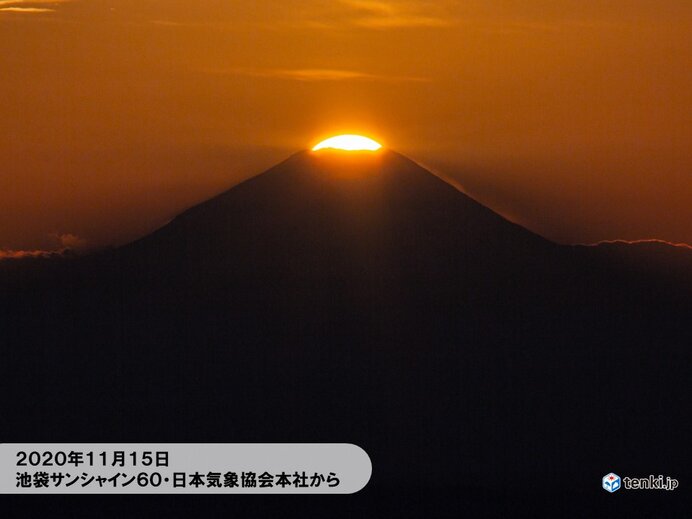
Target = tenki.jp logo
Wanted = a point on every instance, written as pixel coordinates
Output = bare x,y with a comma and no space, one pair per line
611,482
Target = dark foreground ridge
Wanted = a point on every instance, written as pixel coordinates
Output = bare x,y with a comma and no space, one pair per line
358,298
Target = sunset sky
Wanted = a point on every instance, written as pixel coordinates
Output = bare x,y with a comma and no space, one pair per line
572,118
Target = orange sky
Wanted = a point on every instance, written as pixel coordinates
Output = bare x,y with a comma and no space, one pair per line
573,118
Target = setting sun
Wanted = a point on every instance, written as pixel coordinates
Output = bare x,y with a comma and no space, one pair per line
348,143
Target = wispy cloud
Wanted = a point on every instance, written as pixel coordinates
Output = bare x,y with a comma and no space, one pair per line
649,241
70,241
374,6
318,74
65,244
377,14
30,6
26,10
403,21
173,23
21,254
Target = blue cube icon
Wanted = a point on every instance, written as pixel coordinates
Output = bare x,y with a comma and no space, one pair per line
611,482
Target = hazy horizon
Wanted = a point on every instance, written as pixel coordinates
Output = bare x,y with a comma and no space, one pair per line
570,119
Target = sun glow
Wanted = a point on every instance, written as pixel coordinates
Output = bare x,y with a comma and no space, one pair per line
348,143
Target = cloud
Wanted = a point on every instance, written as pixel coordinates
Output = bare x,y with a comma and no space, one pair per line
170,23
653,241
30,3
403,21
373,6
318,74
65,244
22,254
26,10
382,15
30,6
371,14
70,241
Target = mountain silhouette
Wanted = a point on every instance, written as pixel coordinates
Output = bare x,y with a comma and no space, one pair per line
357,297
330,210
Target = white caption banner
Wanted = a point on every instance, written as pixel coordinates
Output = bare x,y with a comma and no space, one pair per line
183,468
